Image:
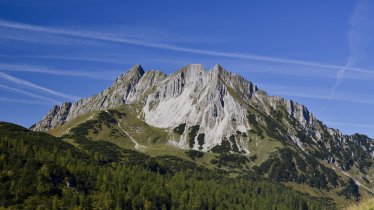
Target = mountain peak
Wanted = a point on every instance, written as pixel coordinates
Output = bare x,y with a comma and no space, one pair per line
200,68
194,68
217,67
136,70
219,72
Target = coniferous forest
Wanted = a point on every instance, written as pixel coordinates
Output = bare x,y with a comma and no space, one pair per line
39,171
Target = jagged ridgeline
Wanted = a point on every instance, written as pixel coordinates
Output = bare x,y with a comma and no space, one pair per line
222,121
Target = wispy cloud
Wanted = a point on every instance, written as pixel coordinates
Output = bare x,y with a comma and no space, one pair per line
36,37
46,2
21,101
326,97
296,71
35,86
316,93
360,34
70,58
111,38
102,75
30,94
358,125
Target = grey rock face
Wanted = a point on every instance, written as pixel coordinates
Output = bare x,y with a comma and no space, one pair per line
198,97
54,117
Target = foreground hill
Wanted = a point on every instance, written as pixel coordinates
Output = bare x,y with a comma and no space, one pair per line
39,171
220,121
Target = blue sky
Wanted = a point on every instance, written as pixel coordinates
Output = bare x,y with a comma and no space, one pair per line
314,52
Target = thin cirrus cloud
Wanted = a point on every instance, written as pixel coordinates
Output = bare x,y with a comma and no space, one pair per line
316,93
35,86
110,38
70,58
326,97
107,75
22,101
358,125
292,70
359,37
30,94
14,35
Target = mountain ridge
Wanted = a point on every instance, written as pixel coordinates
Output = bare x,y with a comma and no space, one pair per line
217,110
134,74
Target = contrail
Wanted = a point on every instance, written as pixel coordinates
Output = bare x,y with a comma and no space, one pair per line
359,37
11,100
339,78
71,58
350,124
316,93
110,38
45,70
27,93
35,86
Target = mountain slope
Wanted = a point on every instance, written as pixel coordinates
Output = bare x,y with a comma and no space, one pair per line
223,113
40,171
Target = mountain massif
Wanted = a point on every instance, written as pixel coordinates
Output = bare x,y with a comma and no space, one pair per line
220,121
202,109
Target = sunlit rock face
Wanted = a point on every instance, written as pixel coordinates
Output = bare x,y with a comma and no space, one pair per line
218,102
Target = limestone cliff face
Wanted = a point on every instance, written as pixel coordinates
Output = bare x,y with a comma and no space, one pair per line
219,102
55,117
198,97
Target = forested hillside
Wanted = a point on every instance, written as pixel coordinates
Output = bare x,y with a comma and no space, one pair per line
39,171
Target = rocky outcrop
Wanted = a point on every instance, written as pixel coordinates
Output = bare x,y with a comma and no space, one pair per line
54,117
